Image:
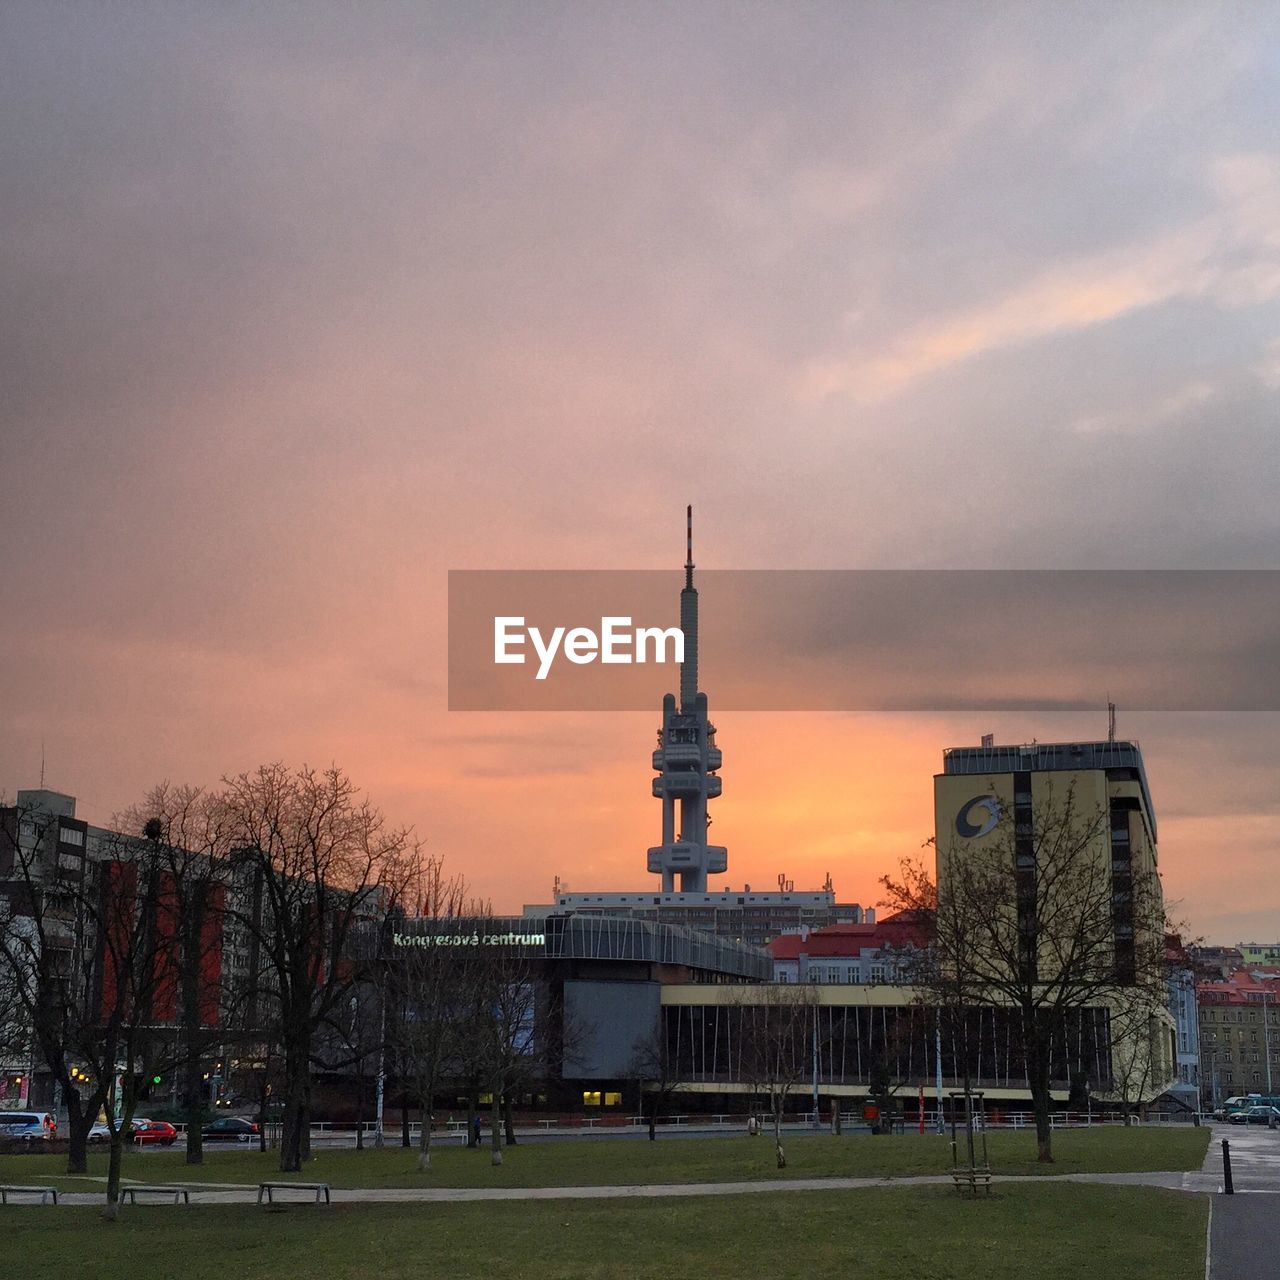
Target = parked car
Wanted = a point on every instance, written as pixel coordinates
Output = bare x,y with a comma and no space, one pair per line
149,1133
99,1135
1242,1102
230,1129
28,1126
1256,1115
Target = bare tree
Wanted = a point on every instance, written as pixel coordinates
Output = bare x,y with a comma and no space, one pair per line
503,1021
1040,920
428,984
185,829
654,1070
315,860
776,1046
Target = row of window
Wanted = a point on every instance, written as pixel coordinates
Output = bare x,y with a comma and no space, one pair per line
848,974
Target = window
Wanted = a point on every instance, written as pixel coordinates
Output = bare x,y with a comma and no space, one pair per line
877,972
69,835
591,1097
613,1099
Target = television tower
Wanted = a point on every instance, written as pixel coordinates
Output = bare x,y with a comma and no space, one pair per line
686,761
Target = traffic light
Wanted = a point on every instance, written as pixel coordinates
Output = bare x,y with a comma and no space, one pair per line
155,1079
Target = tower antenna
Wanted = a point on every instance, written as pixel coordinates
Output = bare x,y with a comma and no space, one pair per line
42,764
688,559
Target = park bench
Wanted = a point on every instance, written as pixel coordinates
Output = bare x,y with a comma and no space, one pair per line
971,1180
269,1188
180,1194
43,1192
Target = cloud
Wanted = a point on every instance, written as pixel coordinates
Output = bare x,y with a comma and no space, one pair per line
1230,258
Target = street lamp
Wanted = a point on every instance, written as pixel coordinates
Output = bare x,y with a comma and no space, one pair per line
1266,1035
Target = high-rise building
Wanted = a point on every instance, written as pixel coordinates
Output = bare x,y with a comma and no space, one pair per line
1016,794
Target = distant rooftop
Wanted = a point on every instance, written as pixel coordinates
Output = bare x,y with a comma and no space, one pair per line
1041,757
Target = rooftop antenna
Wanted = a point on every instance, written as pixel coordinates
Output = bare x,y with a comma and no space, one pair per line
688,559
41,764
1111,721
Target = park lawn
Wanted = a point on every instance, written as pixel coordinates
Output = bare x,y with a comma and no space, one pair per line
627,1162
1065,1230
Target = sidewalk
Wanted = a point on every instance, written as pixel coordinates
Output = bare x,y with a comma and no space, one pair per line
1244,1228
247,1193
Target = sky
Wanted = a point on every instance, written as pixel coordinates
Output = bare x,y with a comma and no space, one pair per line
304,305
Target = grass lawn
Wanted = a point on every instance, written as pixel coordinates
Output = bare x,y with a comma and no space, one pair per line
621,1162
1070,1232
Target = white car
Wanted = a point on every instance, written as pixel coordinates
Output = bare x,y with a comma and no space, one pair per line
28,1126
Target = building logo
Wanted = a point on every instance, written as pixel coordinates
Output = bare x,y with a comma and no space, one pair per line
965,819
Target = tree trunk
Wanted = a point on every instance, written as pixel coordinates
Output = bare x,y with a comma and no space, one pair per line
193,1086
294,1118
653,1119
777,1135
508,1121
471,1118
262,1116
495,1128
1038,1080
79,1122
359,1110
405,1140
112,1209
424,1130
304,1134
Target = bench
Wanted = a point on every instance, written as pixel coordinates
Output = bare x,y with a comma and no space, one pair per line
43,1192
181,1195
971,1180
269,1188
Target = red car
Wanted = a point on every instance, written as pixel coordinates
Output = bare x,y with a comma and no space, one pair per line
148,1133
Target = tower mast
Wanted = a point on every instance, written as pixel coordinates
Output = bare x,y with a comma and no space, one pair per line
686,761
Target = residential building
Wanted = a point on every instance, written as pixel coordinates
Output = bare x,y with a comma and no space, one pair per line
1239,1019
846,954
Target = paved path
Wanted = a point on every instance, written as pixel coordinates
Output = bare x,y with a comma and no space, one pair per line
247,1193
1244,1229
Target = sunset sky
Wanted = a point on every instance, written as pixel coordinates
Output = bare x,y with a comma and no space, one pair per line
305,305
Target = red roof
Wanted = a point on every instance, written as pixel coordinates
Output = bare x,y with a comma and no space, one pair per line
838,940
1242,987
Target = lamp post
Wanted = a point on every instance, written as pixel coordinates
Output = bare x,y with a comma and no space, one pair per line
1266,1035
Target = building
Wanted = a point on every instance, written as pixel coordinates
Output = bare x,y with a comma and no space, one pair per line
741,914
1105,785
1239,1020
1075,825
1185,1010
1214,962
846,954
851,1031
596,982
1259,953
